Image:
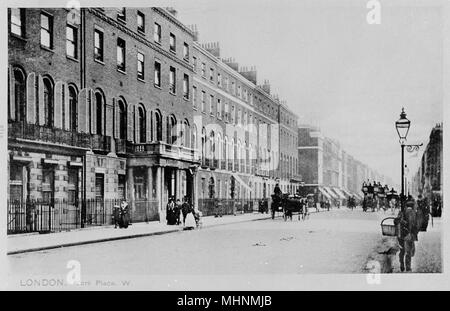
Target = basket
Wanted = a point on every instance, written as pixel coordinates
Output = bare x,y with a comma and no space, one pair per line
388,229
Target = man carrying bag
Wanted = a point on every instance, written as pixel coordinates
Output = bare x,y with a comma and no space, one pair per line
407,233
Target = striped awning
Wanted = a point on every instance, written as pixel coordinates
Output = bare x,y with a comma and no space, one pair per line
324,192
340,193
331,193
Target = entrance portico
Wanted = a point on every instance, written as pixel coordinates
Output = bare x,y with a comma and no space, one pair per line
161,177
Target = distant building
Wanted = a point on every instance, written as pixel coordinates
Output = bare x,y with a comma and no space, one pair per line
428,178
327,169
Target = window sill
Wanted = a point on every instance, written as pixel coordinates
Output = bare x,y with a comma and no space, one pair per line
18,37
141,80
121,20
194,108
157,86
157,42
141,31
186,98
173,52
72,58
172,93
99,61
46,48
121,71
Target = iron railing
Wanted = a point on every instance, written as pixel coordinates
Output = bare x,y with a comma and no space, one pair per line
37,132
62,215
210,207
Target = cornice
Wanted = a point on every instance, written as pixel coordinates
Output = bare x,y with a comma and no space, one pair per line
173,19
139,38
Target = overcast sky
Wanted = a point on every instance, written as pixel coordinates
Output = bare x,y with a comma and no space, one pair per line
337,71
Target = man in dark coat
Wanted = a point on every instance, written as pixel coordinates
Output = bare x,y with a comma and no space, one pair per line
170,212
185,208
408,233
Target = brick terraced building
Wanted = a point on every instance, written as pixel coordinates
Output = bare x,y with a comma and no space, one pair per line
108,104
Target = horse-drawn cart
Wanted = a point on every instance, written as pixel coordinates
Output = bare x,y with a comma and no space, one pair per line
289,205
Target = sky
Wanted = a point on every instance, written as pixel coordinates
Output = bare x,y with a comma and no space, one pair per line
337,71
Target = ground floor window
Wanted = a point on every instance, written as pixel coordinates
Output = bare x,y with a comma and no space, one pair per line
99,186
140,184
121,187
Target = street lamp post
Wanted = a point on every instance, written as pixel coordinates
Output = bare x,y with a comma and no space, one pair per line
402,125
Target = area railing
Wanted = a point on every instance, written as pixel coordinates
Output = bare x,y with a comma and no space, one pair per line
62,215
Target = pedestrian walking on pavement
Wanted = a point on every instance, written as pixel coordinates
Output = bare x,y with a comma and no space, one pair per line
178,212
189,220
170,212
407,235
185,207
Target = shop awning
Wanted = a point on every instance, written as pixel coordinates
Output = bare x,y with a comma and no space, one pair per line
331,193
340,193
348,194
359,196
324,192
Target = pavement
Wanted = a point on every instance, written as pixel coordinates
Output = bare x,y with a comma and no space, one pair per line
32,242
337,241
428,256
22,243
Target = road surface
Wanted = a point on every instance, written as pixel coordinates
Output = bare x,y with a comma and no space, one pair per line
338,241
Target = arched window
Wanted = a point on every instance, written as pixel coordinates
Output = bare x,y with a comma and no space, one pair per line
142,124
19,94
194,137
212,145
185,133
73,102
158,125
211,188
218,154
203,143
48,102
99,112
225,150
171,130
122,120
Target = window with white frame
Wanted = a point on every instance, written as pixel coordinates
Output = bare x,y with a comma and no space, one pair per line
157,74
203,70
227,113
46,30
211,104
186,86
172,80
140,66
203,99
17,21
219,108
194,96
157,33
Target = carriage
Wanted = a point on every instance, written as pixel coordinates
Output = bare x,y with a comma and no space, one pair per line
288,205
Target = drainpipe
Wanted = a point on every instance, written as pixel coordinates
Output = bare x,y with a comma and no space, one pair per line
83,85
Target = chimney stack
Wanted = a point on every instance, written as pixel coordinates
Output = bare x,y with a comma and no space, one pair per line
213,48
266,86
172,11
194,30
231,62
249,73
